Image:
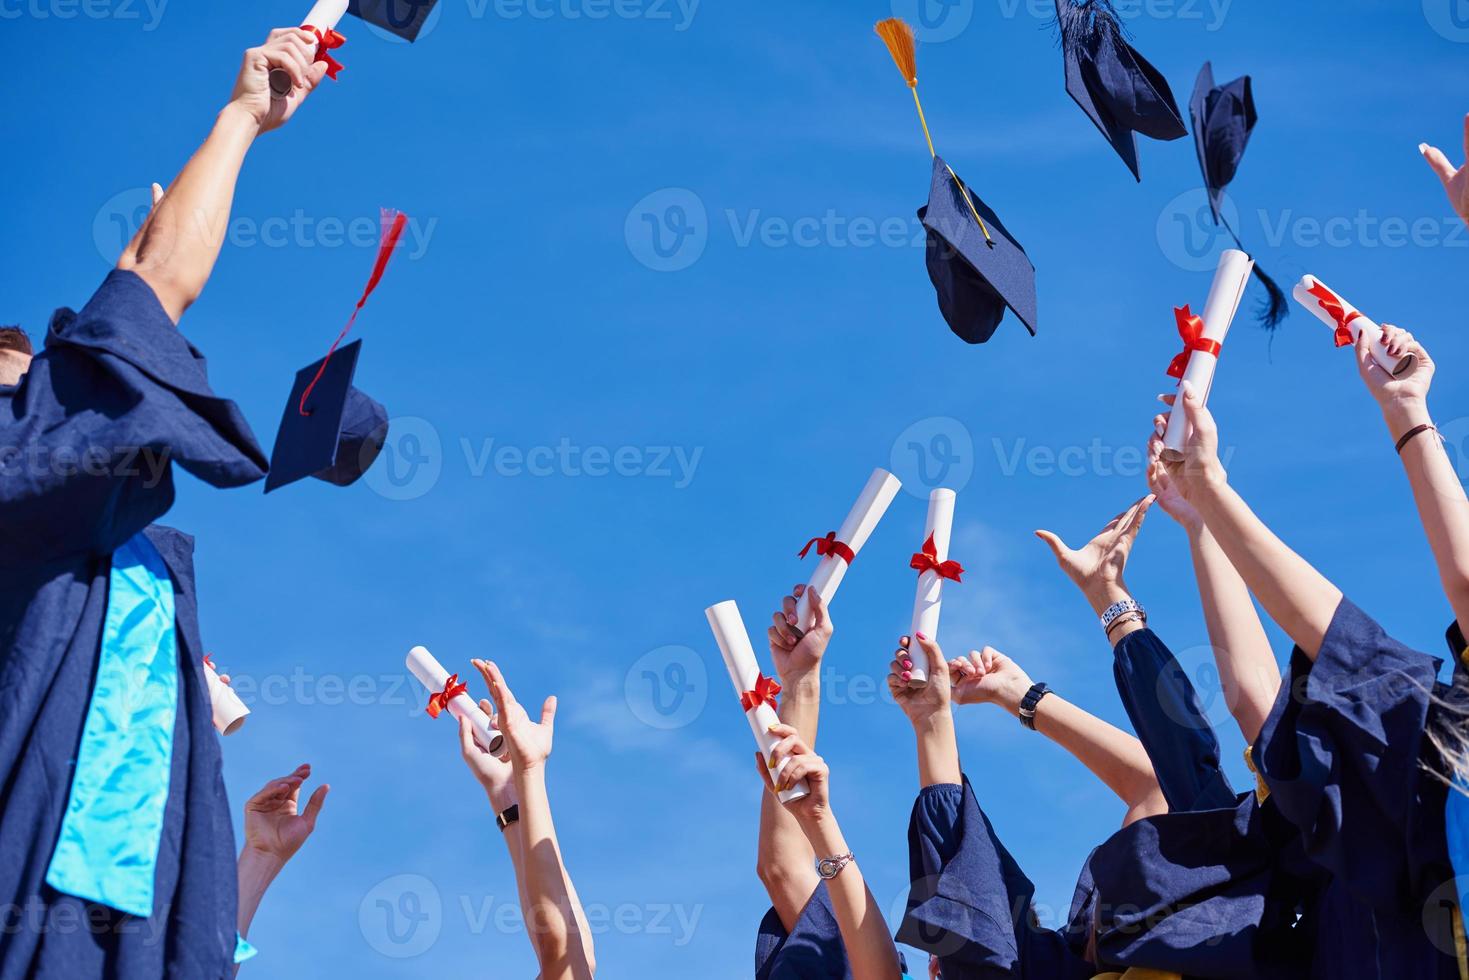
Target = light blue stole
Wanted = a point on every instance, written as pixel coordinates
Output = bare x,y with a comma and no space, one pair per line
1456,824
109,840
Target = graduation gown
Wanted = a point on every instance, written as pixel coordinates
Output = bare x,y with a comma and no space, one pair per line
87,444
970,903
812,950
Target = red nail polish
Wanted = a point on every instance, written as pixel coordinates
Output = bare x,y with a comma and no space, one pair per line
920,636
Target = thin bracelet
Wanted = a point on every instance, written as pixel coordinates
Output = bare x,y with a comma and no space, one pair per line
1414,432
1133,617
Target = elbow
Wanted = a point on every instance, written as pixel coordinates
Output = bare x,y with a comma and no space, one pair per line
771,874
175,292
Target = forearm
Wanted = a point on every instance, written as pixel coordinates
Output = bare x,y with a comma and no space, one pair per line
175,250
1113,756
784,859
255,871
1442,506
1299,598
870,950
1248,673
549,913
938,750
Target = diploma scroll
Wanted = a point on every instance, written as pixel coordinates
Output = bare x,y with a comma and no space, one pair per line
881,488
750,685
229,710
432,675
1230,280
929,598
325,16
1347,321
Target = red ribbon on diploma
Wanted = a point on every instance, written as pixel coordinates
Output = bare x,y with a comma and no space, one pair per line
386,245
209,661
1191,329
765,692
927,560
325,44
829,545
440,701
1331,303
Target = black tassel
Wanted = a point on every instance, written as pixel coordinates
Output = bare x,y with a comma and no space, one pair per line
1079,21
1274,308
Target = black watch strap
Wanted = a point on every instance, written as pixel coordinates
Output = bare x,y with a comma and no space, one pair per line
1029,702
508,816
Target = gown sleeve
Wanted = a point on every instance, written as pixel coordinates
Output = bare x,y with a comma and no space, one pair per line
970,904
1341,755
812,950
1165,712
89,435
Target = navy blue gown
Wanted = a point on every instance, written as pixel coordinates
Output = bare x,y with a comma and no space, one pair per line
972,906
87,443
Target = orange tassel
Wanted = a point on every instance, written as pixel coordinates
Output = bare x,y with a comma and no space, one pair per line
898,36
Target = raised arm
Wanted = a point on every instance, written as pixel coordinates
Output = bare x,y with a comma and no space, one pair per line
1248,673
553,913
1113,756
871,954
1297,597
785,861
1442,506
274,832
175,250
928,710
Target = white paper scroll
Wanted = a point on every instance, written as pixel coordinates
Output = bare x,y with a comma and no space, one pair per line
325,16
432,675
744,673
229,710
1354,321
929,598
1230,280
881,488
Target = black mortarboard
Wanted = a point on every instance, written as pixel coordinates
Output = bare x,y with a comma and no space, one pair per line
977,268
404,18
341,431
1114,85
1224,116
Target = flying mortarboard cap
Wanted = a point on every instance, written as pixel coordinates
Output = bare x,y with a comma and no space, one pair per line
339,435
1114,85
976,277
1223,117
976,266
404,18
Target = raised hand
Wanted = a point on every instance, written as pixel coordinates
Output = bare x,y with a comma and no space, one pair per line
496,775
529,742
1097,567
989,677
1200,469
1167,493
290,49
804,764
273,826
922,703
1455,179
794,654
1411,389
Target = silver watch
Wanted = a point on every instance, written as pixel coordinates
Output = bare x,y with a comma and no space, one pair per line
829,868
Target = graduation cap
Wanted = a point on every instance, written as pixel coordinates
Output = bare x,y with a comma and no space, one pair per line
1115,86
404,18
330,429
1224,116
976,266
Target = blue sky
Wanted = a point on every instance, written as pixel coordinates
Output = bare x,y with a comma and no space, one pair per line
598,433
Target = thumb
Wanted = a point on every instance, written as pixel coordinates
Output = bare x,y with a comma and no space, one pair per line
1437,162
313,805
548,713
1054,542
466,738
818,608
935,655
764,769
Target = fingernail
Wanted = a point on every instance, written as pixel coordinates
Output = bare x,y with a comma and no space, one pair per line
791,618
770,729
1422,147
907,665
770,763
920,636
907,675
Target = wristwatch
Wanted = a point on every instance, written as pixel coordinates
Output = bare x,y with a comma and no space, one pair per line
1029,702
829,868
508,816
1121,608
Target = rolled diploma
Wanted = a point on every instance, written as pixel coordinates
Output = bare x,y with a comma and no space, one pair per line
1230,280
1394,366
325,16
229,710
744,671
432,675
881,488
929,599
